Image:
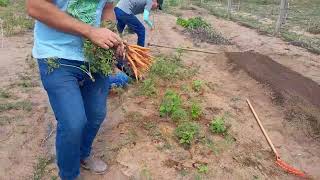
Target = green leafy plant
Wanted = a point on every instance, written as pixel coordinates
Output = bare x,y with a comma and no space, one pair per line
197,85
192,23
186,132
179,115
217,125
196,111
168,68
53,63
170,103
4,3
100,60
203,169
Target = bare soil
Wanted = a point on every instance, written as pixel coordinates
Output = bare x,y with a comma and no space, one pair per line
138,144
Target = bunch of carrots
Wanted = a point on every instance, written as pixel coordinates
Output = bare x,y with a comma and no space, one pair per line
139,59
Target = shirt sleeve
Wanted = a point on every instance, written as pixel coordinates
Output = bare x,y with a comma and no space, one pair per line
148,5
146,14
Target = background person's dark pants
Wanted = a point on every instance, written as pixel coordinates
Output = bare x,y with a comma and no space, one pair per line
132,22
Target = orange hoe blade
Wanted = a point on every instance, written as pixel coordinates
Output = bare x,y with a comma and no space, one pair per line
279,162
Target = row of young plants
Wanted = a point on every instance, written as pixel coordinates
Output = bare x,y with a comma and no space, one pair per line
186,116
201,30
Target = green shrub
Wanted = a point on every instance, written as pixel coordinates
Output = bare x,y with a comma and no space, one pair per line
186,132
217,125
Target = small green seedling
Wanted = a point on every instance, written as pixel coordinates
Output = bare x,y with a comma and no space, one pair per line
186,132
195,111
197,85
203,169
217,125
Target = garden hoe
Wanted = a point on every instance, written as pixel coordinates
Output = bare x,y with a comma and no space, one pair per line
279,162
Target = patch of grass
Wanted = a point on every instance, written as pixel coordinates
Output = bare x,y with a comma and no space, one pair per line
186,132
203,169
170,103
4,93
6,120
145,174
311,44
153,130
148,88
4,3
262,15
25,105
40,168
15,20
314,28
196,110
217,125
27,81
169,68
197,85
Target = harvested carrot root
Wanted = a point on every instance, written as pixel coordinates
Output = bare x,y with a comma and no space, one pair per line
139,59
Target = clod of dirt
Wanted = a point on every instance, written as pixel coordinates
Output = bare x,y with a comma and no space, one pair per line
206,35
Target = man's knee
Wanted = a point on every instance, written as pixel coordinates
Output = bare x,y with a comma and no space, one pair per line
97,117
72,127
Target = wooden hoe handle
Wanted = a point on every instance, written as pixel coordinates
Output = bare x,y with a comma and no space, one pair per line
263,130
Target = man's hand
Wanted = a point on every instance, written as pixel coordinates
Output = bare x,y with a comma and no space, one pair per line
104,38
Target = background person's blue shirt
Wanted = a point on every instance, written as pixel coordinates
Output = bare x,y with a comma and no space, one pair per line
49,42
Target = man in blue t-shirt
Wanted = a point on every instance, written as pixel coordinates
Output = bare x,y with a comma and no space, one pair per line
79,104
125,13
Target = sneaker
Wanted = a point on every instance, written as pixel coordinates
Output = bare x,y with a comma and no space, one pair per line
95,165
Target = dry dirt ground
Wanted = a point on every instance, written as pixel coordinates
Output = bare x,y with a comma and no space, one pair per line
138,144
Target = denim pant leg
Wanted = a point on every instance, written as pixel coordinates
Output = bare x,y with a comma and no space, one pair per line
132,22
119,16
66,100
94,96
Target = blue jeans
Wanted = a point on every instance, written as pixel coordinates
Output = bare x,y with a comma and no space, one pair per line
79,105
132,22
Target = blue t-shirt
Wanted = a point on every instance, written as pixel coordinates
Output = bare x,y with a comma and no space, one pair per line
50,42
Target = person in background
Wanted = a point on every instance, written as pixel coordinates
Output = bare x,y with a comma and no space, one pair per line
126,11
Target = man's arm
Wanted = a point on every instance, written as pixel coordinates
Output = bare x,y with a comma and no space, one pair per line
46,12
108,13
